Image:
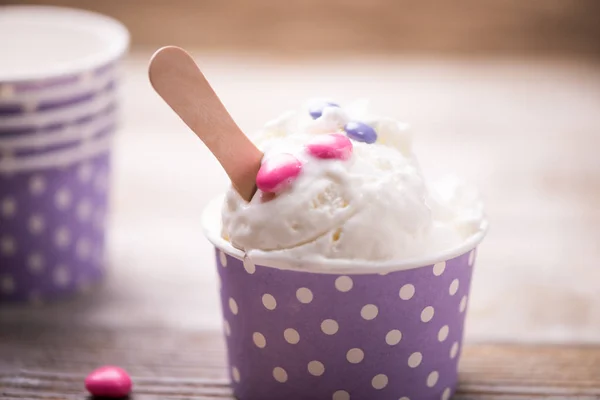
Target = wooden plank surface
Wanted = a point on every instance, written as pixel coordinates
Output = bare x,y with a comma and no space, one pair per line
51,364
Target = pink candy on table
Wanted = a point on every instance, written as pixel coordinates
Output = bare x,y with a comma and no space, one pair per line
277,172
329,146
108,381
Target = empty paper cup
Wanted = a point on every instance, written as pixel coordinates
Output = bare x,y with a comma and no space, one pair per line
342,330
58,112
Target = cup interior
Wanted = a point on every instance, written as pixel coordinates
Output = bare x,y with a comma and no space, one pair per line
39,42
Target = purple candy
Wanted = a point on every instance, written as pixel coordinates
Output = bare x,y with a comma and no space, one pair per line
360,132
316,109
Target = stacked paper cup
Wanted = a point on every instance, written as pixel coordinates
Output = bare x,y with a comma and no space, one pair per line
58,113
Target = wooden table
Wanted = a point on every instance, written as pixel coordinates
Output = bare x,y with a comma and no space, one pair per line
177,365
525,131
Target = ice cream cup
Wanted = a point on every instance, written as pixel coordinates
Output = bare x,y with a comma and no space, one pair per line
342,330
58,112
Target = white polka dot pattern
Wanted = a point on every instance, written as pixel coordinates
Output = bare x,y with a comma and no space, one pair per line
304,295
355,355
235,374
269,301
393,337
62,199
443,333
472,257
297,327
341,395
62,237
61,275
427,314
233,306
453,287
407,291
446,394
344,283
8,207
379,381
36,224
369,312
439,268
48,186
432,378
259,340
291,336
280,374
8,246
329,327
415,359
249,266
454,350
316,368
463,304
37,185
223,259
35,263
84,210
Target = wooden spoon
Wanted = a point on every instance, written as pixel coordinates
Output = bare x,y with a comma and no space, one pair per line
178,80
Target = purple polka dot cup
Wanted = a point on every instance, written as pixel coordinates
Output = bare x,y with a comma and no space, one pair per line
339,331
58,113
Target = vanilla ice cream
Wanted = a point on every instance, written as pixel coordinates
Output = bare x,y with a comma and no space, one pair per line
373,205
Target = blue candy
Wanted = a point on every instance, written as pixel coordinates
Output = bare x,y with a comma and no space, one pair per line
360,132
316,110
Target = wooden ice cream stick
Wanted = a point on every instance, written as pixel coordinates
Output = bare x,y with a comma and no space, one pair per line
178,80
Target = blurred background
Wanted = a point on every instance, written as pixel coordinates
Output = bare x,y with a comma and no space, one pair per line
309,28
503,92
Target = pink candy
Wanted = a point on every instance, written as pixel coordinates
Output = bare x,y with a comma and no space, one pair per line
334,145
277,172
108,381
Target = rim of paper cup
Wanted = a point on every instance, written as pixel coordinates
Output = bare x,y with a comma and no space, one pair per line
211,226
113,33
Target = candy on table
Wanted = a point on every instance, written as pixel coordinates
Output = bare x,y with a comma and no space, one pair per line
108,381
330,146
316,109
360,132
277,172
